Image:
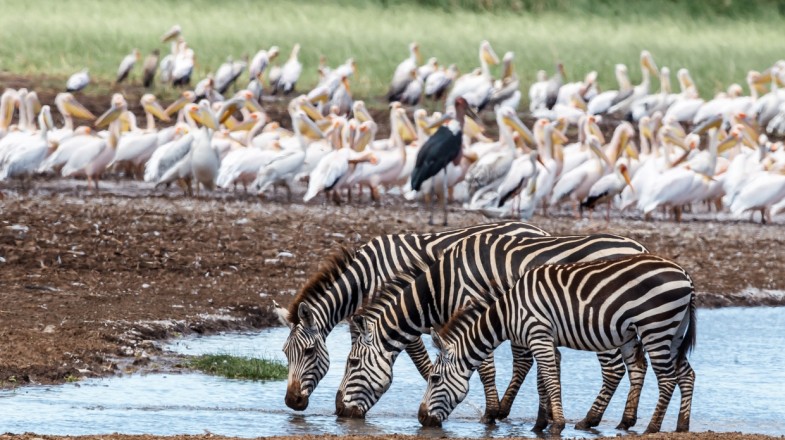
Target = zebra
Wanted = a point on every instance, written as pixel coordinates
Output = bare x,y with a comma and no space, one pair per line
344,280
478,268
638,303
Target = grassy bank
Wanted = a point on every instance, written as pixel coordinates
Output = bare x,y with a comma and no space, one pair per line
718,47
234,367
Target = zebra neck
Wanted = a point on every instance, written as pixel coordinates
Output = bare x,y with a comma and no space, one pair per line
477,341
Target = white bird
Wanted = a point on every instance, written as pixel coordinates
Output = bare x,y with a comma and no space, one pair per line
92,158
290,72
605,100
261,60
23,161
607,188
439,81
403,73
183,66
78,81
476,87
623,104
760,192
127,64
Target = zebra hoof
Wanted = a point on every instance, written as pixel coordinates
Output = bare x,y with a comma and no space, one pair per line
626,424
652,429
556,427
683,427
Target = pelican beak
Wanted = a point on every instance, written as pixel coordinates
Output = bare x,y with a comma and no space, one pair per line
362,115
76,109
728,143
632,153
405,128
417,54
8,115
675,140
489,56
626,175
227,111
309,128
648,63
177,105
246,124
438,122
311,111
363,137
516,124
201,116
557,137
714,122
156,110
595,148
109,116
253,106
345,82
594,129
319,94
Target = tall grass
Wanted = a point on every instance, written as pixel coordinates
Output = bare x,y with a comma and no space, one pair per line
59,37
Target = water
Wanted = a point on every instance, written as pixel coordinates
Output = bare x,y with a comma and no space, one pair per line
739,387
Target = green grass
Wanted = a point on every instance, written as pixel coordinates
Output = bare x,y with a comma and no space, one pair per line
234,367
718,40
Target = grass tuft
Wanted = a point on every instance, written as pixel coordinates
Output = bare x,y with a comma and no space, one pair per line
236,367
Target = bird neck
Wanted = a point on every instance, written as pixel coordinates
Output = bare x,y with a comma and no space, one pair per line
150,121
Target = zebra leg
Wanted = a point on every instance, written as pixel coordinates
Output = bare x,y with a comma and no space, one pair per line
613,370
547,365
635,360
544,414
663,367
419,355
487,373
686,380
521,364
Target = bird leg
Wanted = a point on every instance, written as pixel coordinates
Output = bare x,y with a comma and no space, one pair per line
608,214
432,201
444,196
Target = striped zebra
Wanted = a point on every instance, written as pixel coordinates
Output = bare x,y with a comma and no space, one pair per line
345,280
477,269
638,303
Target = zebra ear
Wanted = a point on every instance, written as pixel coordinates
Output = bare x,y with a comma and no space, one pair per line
305,314
361,326
437,340
282,314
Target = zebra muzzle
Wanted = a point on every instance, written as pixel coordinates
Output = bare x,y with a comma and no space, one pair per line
427,419
345,408
295,398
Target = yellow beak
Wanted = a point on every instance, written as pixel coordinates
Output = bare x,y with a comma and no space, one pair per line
156,110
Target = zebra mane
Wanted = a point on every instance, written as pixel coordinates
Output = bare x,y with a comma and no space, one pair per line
463,319
329,271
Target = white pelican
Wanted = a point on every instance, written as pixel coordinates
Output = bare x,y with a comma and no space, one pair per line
661,102
283,167
688,102
136,146
523,169
23,161
488,172
403,73
605,100
127,64
439,81
760,192
413,92
506,90
623,104
727,104
585,90
549,145
69,108
607,188
428,68
167,155
290,72
92,158
183,66
227,74
577,183
204,158
149,67
476,87
78,81
261,60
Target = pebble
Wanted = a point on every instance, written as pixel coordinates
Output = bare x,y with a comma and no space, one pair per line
285,254
49,329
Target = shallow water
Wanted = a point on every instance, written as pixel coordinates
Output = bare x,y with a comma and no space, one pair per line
739,387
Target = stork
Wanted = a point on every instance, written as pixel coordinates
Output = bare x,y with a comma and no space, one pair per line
443,147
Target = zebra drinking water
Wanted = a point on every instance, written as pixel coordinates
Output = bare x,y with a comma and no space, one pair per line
342,283
638,303
479,268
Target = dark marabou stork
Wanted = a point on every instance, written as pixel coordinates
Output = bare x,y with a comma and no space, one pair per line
443,147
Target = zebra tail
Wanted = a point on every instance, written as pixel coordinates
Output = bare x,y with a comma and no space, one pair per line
690,338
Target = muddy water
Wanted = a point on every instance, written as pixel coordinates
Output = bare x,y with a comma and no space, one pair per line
739,387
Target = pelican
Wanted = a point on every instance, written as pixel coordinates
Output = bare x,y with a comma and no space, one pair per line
283,167
127,64
183,66
7,107
403,73
204,158
647,105
576,184
69,107
476,87
605,100
172,34
413,92
136,147
168,154
585,90
290,72
23,161
523,169
688,102
92,158
261,60
760,192
549,145
439,81
78,81
624,104
227,74
506,90
424,71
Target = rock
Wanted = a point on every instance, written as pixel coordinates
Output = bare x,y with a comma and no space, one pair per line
285,254
49,329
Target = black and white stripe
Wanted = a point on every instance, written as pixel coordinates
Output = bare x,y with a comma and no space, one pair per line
479,268
346,280
638,303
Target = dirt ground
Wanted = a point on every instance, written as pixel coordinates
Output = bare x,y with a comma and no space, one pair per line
91,284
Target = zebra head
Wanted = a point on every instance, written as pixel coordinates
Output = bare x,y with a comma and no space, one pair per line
368,372
306,353
448,384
